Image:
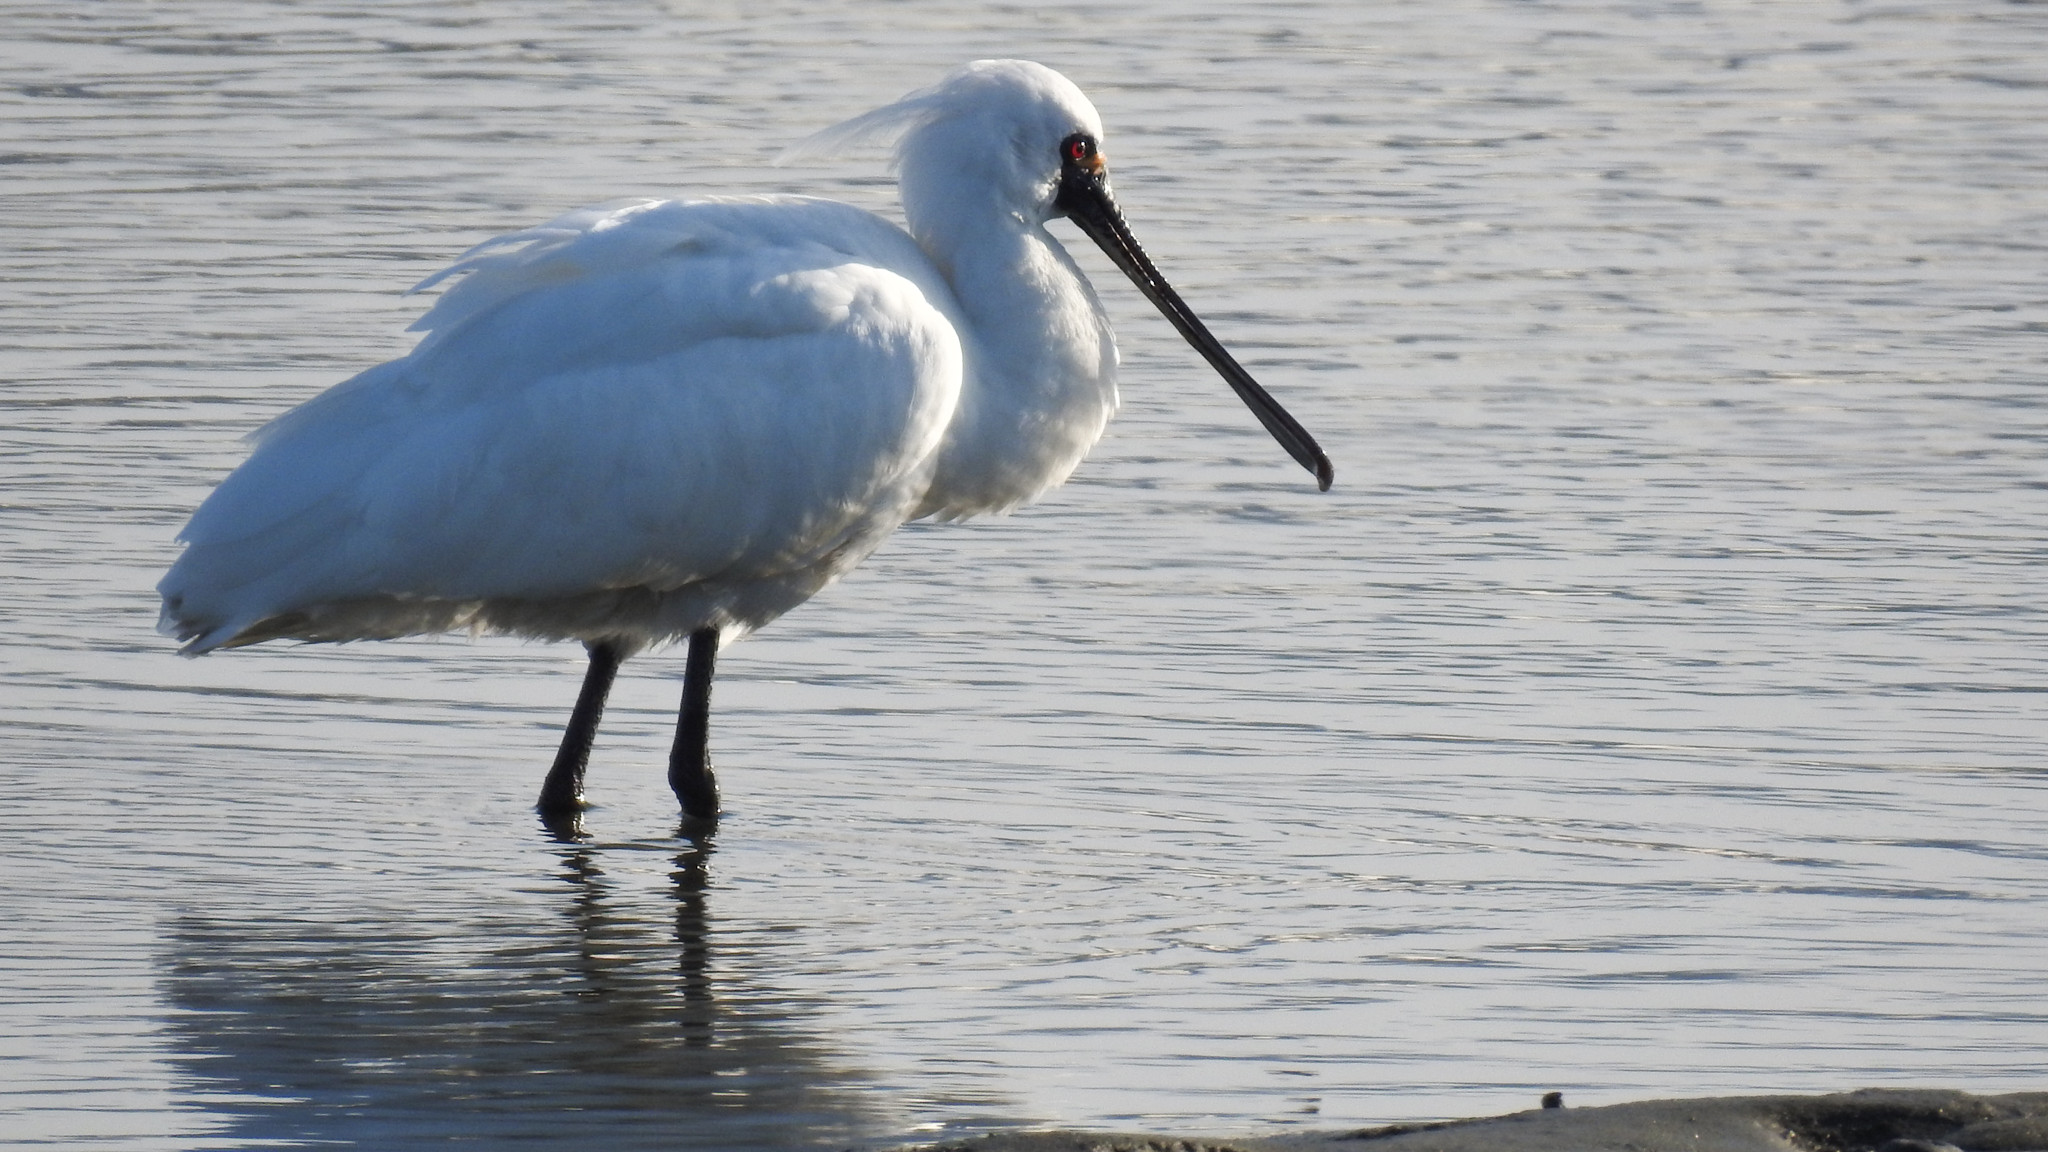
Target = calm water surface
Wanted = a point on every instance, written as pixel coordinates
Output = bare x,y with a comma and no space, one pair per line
1655,707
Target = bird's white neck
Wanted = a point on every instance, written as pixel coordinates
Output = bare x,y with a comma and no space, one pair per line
1040,360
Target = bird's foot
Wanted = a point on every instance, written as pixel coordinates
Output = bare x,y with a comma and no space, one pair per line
564,827
696,787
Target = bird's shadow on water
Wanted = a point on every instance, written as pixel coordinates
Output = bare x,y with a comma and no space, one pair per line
609,1026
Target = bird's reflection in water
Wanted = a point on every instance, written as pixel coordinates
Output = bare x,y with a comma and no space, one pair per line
692,876
597,924
595,1026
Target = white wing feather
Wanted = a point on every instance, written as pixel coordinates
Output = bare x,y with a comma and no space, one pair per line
646,396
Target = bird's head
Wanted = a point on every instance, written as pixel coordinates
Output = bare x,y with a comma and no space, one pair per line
1012,138
1007,131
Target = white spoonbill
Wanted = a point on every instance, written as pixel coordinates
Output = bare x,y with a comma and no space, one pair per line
657,419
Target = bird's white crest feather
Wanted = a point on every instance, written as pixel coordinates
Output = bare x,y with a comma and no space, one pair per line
884,126
973,89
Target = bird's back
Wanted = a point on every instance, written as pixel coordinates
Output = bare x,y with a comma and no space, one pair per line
637,420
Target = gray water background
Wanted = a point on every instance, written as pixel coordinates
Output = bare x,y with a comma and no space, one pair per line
1655,707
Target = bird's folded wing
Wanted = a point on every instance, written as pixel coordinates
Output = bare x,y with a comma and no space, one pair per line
640,395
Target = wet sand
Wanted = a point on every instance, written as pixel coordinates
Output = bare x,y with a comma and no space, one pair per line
1871,1120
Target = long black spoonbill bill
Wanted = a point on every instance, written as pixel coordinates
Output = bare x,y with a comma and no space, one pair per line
656,419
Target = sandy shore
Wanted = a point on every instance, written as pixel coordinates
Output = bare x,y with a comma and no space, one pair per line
1872,1120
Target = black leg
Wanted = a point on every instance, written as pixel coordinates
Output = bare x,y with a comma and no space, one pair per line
689,765
562,795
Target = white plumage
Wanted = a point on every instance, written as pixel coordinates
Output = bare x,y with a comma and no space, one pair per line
633,422
655,419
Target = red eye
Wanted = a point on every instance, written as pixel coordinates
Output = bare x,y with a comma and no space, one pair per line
1078,149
